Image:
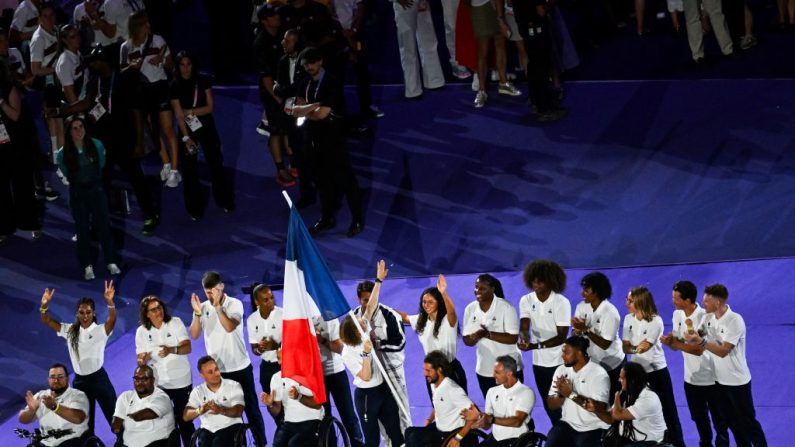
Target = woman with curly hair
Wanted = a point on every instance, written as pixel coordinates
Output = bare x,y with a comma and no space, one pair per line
86,341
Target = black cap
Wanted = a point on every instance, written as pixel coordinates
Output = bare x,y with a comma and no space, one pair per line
310,55
266,10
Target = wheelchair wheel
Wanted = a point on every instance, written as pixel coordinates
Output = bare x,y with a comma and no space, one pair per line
474,437
244,437
194,439
530,439
93,441
333,434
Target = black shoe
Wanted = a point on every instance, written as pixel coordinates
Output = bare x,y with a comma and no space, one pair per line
304,202
47,194
551,116
150,225
323,224
355,228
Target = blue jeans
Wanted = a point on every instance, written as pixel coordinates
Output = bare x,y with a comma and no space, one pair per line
337,387
245,377
98,389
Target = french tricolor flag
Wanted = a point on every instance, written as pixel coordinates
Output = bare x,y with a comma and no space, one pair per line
309,291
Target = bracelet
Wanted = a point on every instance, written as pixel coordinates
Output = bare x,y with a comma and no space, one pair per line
365,355
43,309
197,314
378,280
111,307
57,407
703,343
199,411
458,437
185,139
176,349
573,396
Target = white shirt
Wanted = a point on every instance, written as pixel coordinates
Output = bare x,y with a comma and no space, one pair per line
151,72
604,322
502,402
330,330
43,48
71,398
448,402
145,432
15,59
91,347
446,342
69,70
637,331
294,410
544,321
229,394
23,20
172,371
259,328
699,369
500,317
79,13
344,10
227,348
648,414
117,12
590,381
352,357
730,328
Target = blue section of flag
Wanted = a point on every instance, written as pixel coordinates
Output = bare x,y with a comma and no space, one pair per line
317,277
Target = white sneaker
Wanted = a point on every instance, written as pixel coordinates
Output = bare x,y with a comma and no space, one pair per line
174,177
459,71
480,99
165,172
495,76
89,273
475,82
62,177
113,269
509,89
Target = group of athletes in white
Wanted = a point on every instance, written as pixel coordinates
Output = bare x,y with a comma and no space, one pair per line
597,386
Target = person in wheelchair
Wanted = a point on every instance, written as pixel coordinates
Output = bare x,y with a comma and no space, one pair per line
578,381
59,407
219,403
302,415
508,406
144,416
450,402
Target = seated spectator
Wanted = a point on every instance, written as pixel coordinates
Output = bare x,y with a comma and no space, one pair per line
144,416
218,402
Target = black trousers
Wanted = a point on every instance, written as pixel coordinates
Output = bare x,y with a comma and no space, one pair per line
539,51
266,372
17,200
224,437
332,167
98,389
703,401
210,143
458,376
376,405
544,377
431,436
660,383
89,207
179,398
297,434
614,383
245,377
338,387
741,415
562,435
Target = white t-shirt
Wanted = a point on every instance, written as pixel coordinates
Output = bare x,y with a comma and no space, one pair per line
699,369
648,414
227,348
16,62
26,19
502,402
604,322
330,330
448,402
69,70
590,381
117,12
43,48
71,398
151,72
229,394
500,317
352,357
294,410
172,371
344,10
91,347
637,331
730,328
259,328
145,432
544,321
446,342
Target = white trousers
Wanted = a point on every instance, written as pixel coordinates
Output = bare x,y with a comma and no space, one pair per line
695,33
415,32
450,13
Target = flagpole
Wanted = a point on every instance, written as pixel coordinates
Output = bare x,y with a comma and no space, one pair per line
381,368
287,198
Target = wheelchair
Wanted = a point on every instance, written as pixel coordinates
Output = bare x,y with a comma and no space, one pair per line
332,433
242,438
37,436
529,439
474,437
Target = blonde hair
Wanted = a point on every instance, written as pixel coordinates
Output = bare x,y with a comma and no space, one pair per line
643,301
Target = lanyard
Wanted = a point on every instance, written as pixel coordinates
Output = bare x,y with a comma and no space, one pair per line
195,94
317,88
110,91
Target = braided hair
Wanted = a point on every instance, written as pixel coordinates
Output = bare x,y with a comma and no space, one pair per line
73,334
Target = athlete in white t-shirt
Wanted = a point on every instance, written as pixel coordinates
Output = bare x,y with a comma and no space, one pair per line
598,319
86,342
161,341
144,416
724,338
699,370
264,327
220,319
491,324
437,328
545,317
643,328
218,402
58,408
578,382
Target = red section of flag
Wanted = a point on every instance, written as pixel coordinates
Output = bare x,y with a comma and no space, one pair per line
301,357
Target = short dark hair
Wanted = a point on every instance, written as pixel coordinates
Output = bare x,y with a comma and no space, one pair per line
579,343
509,363
687,290
266,10
211,279
310,55
438,360
203,361
59,365
546,271
493,282
718,291
364,286
598,283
